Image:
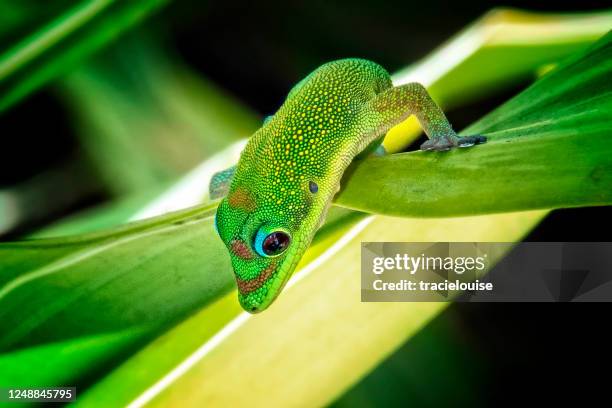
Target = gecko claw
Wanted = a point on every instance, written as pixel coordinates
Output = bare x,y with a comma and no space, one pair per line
445,143
468,141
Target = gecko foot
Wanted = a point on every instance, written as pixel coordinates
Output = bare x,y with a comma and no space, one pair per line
443,143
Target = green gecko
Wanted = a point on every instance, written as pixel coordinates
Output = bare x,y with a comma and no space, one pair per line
288,173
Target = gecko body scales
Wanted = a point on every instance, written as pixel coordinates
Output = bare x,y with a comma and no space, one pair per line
279,193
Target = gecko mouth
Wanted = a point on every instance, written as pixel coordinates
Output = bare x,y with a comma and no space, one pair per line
268,278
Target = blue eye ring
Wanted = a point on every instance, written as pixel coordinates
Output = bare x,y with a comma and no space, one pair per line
270,243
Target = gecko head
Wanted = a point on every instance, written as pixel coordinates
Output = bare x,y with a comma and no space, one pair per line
264,247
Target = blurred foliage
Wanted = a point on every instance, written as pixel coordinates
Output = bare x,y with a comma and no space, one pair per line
21,17
65,36
40,41
145,119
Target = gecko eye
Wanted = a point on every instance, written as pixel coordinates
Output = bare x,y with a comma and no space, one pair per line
271,243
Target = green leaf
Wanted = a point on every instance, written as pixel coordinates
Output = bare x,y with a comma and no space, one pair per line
129,263
549,147
109,285
68,38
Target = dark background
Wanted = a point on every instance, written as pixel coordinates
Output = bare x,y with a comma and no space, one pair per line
533,353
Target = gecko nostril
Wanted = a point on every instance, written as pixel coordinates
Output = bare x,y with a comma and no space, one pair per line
313,187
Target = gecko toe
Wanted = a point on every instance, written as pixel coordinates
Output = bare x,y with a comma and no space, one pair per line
467,141
428,145
445,143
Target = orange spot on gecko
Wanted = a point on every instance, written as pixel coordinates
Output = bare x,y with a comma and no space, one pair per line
240,249
242,198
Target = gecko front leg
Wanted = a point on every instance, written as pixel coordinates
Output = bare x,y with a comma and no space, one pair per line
394,105
220,183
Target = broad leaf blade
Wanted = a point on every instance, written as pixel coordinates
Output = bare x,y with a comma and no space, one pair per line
549,147
110,282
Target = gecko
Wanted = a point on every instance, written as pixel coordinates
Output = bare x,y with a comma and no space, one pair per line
278,194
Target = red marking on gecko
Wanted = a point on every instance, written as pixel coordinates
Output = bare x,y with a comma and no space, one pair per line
242,198
246,286
240,249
